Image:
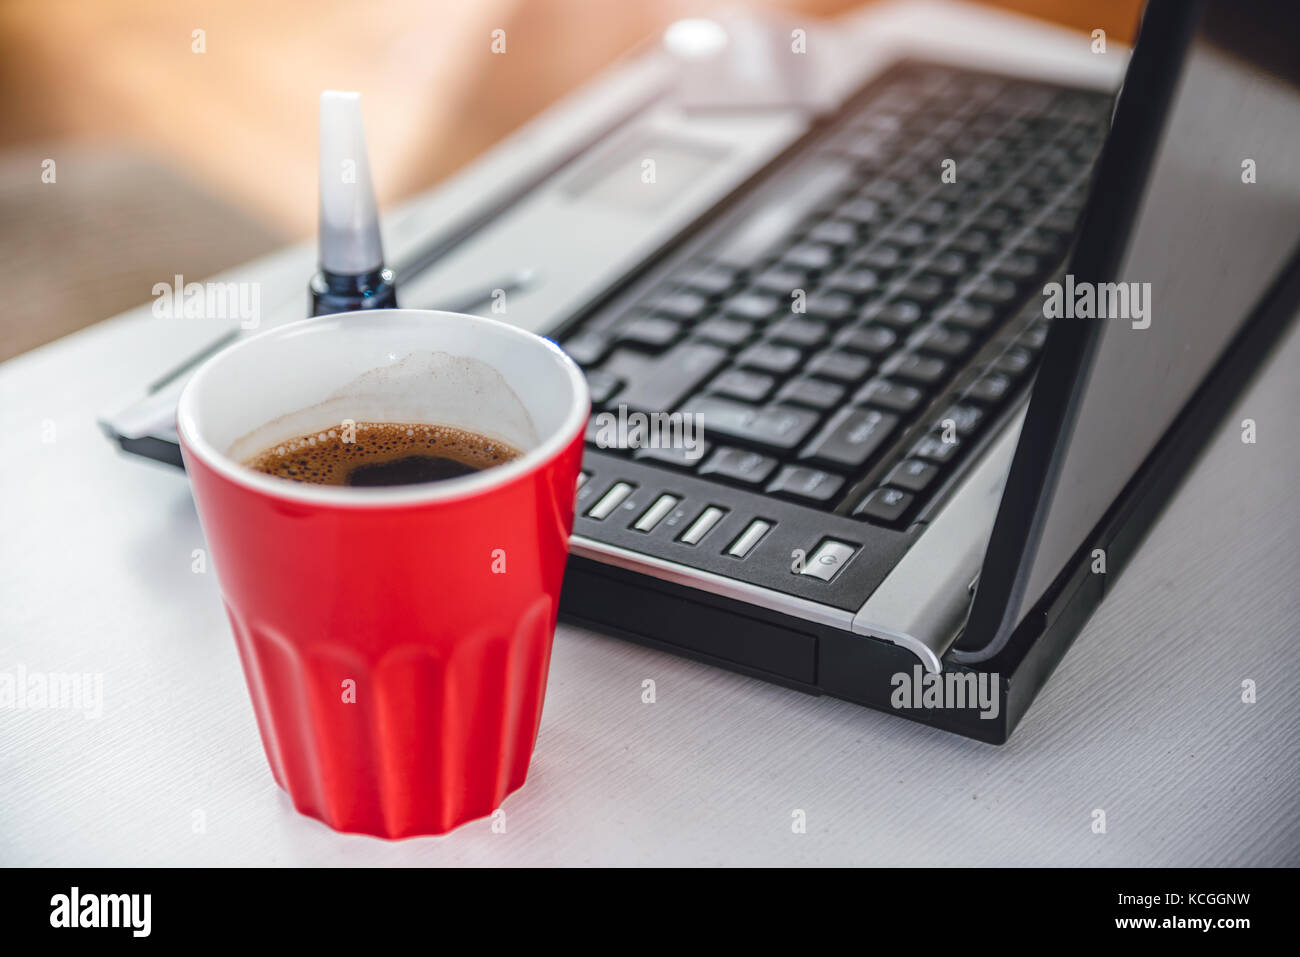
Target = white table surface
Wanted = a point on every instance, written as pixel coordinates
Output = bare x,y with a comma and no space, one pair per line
1143,719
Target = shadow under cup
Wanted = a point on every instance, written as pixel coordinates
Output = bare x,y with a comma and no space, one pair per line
395,640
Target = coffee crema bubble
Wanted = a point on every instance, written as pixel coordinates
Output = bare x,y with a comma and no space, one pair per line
382,453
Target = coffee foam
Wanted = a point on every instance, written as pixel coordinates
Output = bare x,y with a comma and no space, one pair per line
328,457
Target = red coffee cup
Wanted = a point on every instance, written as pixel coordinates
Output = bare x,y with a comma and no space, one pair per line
395,640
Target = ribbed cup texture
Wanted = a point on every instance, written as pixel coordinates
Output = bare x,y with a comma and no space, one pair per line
425,735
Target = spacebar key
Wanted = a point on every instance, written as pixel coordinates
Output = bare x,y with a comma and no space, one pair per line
675,374
771,427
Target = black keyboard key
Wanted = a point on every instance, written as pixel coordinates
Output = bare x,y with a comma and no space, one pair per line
975,241
678,305
1018,267
798,331
677,456
628,364
834,232
810,256
912,475
1034,337
975,317
899,314
750,306
828,307
865,212
812,393
934,449
1014,363
933,212
1045,180
972,173
925,371
964,420
743,385
649,332
854,280
850,438
776,428
996,219
890,396
670,377
949,264
942,342
602,386
1061,221
947,129
885,505
805,484
739,465
1046,243
724,331
587,348
871,340
989,389
768,357
840,366
923,290
780,282
908,235
992,289
881,257
709,280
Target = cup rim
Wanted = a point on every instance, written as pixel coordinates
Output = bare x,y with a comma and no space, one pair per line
194,443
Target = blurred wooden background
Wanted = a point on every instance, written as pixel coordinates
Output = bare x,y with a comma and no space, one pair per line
177,161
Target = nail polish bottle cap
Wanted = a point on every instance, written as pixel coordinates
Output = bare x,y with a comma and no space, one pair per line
349,216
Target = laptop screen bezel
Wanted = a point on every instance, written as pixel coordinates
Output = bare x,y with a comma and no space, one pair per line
1106,228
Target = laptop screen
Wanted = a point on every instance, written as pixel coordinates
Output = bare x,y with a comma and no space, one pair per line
1219,218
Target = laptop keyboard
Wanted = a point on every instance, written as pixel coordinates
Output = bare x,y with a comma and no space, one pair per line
849,335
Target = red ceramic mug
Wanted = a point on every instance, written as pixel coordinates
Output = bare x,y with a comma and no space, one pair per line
395,640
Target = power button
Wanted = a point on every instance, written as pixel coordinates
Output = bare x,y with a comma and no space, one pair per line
829,558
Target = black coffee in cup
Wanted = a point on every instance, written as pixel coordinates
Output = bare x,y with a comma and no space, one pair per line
382,453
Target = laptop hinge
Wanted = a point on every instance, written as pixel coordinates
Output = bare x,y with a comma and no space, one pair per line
923,603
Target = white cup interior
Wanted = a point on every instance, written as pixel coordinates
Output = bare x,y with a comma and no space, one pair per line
390,365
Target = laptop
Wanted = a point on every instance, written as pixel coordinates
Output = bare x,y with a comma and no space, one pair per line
889,379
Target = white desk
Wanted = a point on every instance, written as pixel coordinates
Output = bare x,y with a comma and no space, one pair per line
1144,718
